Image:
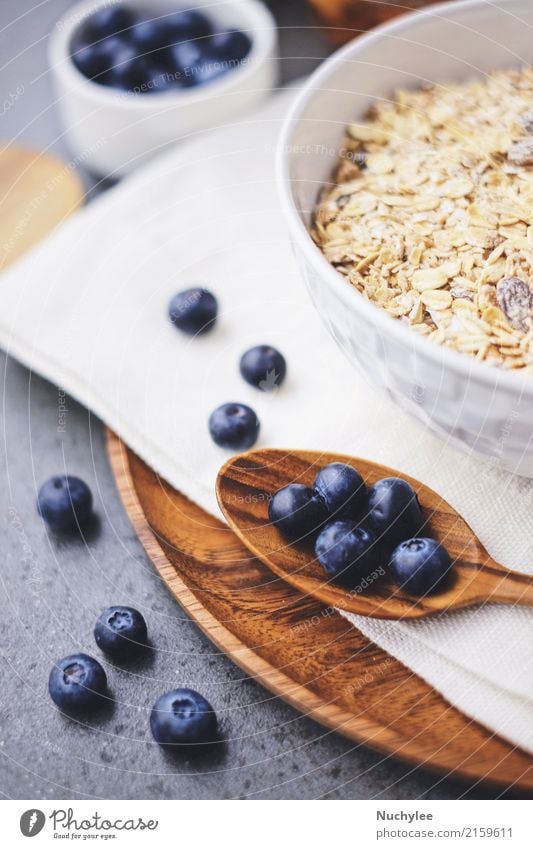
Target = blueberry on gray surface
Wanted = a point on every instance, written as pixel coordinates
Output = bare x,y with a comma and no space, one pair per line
234,426
193,311
65,502
121,631
420,565
183,717
263,367
297,511
77,683
342,489
231,46
346,552
394,513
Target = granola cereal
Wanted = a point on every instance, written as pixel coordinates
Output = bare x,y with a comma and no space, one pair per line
430,214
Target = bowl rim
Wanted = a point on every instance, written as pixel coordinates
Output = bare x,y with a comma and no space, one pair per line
465,364
257,21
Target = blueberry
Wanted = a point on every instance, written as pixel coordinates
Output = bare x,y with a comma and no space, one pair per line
297,511
120,631
183,717
158,82
188,24
77,683
234,426
111,62
108,21
127,70
90,59
232,46
346,552
394,513
342,489
65,502
263,367
193,311
420,565
151,34
193,65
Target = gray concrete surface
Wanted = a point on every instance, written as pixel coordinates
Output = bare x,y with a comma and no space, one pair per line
52,591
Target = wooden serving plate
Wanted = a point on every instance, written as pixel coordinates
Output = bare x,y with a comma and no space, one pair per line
300,649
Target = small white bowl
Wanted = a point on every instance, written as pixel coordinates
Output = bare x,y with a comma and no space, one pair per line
112,132
480,407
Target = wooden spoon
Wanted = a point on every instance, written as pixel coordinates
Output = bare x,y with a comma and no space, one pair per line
245,484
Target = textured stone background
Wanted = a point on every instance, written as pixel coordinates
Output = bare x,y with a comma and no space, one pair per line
51,591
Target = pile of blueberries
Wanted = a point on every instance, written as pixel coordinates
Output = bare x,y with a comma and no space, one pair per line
78,683
234,426
355,529
120,48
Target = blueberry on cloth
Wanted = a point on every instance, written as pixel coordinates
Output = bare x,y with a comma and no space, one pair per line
193,311
234,426
263,367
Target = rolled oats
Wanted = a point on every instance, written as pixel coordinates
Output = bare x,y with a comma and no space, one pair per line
431,214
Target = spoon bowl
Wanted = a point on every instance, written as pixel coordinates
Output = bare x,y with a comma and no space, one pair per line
246,483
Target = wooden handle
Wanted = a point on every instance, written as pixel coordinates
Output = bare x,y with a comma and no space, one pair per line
498,585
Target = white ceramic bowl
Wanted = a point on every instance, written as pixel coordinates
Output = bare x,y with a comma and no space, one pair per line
480,407
112,132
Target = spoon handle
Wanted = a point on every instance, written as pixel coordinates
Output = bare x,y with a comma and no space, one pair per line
504,586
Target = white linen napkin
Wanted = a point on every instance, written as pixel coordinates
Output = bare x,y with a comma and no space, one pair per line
88,310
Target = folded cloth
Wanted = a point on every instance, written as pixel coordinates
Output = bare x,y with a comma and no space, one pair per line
88,310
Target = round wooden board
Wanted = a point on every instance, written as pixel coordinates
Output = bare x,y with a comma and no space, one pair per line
37,192
299,649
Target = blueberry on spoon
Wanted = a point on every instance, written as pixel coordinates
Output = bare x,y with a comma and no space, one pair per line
346,552
342,489
297,511
420,565
394,513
